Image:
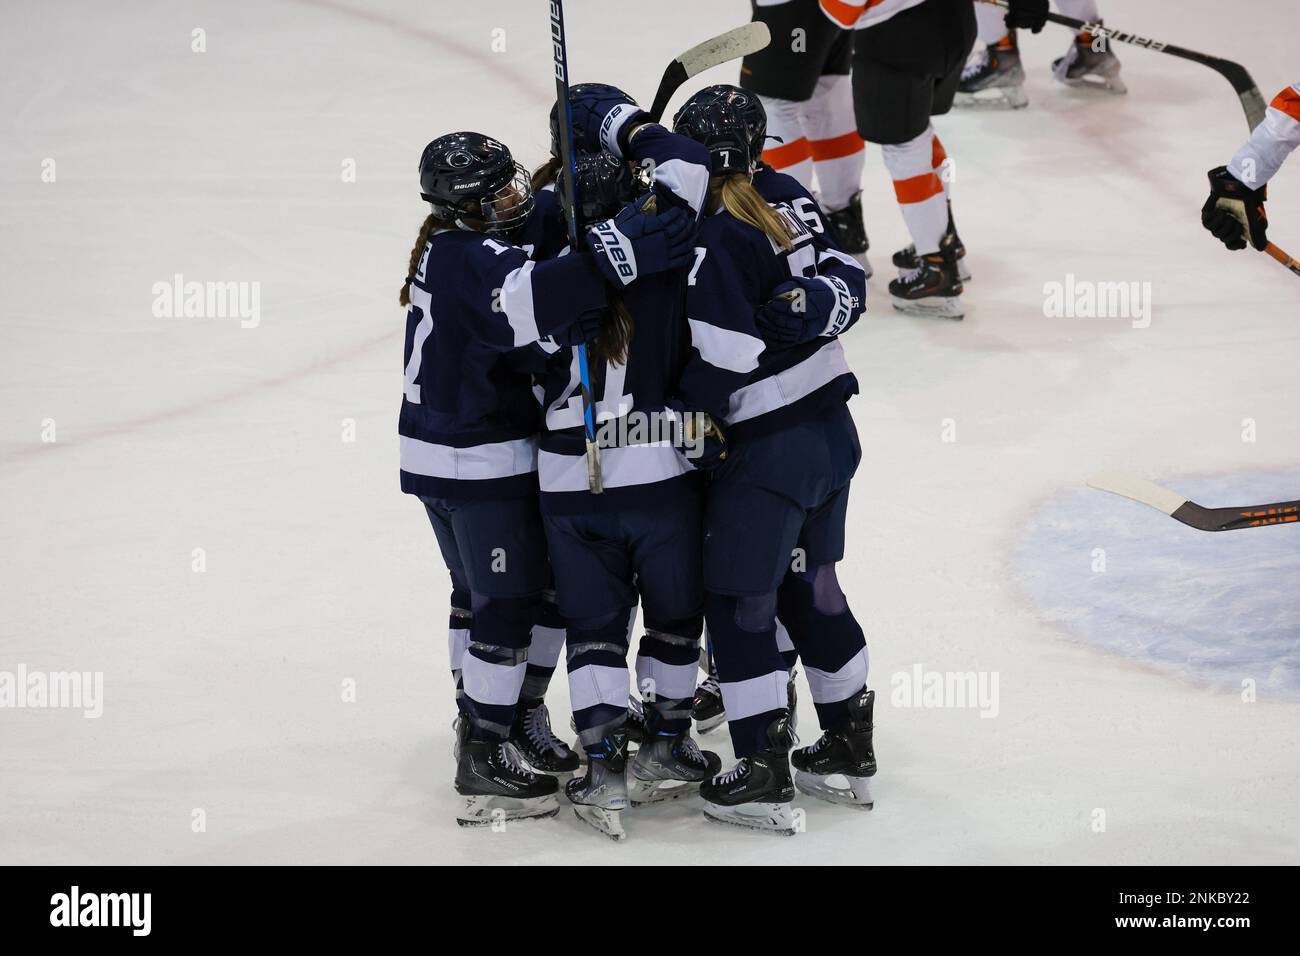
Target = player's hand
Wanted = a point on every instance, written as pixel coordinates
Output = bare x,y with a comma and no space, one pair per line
1026,14
640,241
582,329
1235,212
603,115
802,309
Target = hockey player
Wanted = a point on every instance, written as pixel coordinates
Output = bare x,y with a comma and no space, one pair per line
639,540
775,510
802,79
1234,213
781,329
468,427
994,76
907,61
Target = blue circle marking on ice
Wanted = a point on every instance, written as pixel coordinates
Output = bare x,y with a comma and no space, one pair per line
1215,608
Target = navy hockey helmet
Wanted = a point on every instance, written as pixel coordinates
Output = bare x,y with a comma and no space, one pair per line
715,118
751,109
612,92
472,176
605,185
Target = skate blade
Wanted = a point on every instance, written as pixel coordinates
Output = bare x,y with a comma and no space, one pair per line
942,307
775,818
605,821
856,791
997,98
482,811
1100,82
704,726
641,792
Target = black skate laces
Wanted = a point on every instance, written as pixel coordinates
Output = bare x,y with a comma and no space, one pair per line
710,685
537,725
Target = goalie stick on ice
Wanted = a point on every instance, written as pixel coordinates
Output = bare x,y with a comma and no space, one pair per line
1189,512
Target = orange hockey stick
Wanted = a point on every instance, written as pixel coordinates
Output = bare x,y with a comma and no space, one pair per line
1283,258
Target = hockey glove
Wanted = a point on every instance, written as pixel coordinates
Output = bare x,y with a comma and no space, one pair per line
584,328
703,443
1026,14
1235,212
602,117
639,242
802,309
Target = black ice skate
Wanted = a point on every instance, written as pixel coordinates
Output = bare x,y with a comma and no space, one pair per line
756,793
1089,63
668,765
706,708
540,748
906,257
841,754
849,230
932,288
792,700
460,730
633,728
600,797
496,786
994,79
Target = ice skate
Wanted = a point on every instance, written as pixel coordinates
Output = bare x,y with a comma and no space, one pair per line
906,257
839,766
756,793
540,748
707,709
849,231
668,765
600,796
633,728
994,78
496,786
1090,63
792,700
933,288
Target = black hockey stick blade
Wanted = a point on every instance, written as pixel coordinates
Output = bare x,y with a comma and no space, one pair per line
731,45
1189,512
1247,91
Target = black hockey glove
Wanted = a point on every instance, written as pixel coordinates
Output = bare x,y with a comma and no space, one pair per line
602,117
584,328
1026,14
1235,212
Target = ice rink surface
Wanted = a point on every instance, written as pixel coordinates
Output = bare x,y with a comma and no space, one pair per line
1123,733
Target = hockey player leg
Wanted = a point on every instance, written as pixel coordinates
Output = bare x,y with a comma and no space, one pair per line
932,287
706,709
757,791
599,691
840,765
491,777
838,155
532,734
668,764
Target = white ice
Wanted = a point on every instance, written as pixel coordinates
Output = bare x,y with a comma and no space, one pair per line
223,688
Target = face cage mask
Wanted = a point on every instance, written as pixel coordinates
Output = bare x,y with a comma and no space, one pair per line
508,208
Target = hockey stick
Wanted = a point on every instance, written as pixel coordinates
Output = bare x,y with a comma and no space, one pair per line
1234,73
1283,258
568,177
1189,512
731,45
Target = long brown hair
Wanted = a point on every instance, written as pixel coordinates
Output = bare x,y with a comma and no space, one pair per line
737,195
545,174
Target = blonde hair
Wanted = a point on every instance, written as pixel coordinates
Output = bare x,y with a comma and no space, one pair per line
737,195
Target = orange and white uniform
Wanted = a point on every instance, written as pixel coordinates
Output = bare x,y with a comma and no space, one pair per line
1272,141
860,14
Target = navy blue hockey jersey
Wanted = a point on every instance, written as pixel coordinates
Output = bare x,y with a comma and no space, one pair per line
640,460
733,373
469,418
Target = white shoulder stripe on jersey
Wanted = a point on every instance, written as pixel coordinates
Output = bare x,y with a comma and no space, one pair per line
476,463
517,304
724,348
689,181
785,388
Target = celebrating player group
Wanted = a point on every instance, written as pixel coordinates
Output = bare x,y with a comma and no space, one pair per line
624,388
